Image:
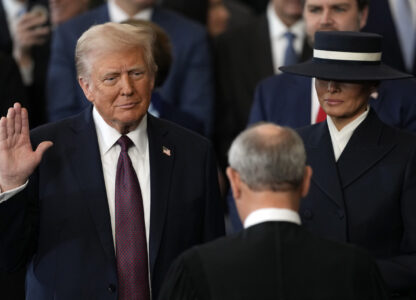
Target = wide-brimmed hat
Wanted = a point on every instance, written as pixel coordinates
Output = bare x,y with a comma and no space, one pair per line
346,56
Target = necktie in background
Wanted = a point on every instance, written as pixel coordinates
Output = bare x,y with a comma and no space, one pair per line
407,31
290,53
131,246
321,116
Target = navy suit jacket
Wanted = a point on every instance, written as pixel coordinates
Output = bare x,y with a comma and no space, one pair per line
61,221
189,85
286,100
380,20
368,196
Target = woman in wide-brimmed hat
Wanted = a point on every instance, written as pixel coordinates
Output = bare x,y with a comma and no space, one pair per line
363,189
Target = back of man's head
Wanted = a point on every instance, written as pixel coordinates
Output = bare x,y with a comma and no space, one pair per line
268,157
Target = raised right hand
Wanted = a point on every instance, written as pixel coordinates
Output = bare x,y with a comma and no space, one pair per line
17,159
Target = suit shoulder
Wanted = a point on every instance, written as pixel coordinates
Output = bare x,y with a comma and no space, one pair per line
277,81
178,26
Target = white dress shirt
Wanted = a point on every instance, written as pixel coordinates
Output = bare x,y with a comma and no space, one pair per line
139,156
118,15
341,138
271,214
277,39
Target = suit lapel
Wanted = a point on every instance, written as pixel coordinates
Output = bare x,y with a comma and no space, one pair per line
162,156
363,150
86,164
321,158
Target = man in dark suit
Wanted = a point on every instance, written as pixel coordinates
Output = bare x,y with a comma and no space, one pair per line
364,181
274,257
189,85
382,21
247,55
82,219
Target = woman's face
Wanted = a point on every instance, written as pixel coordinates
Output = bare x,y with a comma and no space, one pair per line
343,101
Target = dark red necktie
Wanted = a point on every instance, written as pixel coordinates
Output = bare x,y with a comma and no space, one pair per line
321,115
131,246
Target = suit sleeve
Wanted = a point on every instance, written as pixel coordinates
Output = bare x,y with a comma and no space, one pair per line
18,228
62,90
197,91
257,113
399,271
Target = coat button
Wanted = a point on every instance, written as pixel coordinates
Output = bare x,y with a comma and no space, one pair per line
111,288
341,214
307,214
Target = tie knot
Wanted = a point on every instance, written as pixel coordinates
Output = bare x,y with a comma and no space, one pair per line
125,143
289,36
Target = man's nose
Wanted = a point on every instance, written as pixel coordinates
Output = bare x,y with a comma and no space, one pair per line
126,85
326,18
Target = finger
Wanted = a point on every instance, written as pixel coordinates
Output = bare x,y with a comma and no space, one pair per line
10,122
42,147
17,118
25,122
3,129
30,20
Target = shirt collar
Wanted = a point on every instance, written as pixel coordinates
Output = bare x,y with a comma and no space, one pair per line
348,129
271,214
277,29
108,136
118,15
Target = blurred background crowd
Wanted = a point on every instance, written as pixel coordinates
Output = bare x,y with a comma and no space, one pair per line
211,55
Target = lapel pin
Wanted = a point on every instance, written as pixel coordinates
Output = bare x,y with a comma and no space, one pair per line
166,151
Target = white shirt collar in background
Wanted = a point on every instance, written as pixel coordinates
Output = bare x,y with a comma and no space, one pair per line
277,39
118,15
341,138
271,214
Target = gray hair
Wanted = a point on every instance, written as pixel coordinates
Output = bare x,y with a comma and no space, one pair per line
268,157
111,37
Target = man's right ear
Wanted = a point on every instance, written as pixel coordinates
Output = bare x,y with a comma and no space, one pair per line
306,181
86,87
235,180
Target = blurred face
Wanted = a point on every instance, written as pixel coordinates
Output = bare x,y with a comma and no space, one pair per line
289,11
333,15
218,16
63,10
120,87
343,101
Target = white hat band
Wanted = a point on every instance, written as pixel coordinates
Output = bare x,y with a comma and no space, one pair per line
338,55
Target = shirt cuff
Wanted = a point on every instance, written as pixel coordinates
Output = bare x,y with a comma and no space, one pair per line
7,195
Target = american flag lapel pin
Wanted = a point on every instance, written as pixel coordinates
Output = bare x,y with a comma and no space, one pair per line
166,151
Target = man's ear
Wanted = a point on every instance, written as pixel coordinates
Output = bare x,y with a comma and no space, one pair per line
86,87
362,17
235,182
306,181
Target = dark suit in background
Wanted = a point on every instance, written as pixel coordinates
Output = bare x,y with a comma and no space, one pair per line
380,20
189,86
274,260
61,224
243,59
368,196
40,54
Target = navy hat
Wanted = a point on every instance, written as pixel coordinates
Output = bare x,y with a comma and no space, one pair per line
346,56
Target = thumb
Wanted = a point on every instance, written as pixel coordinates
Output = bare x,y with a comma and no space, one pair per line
42,147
